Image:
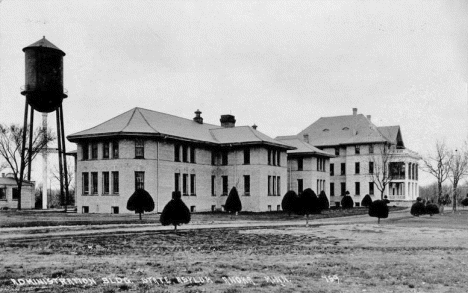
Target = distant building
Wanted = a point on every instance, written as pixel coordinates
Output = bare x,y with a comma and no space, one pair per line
9,193
356,144
163,153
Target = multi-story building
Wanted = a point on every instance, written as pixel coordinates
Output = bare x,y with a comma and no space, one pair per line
308,166
162,153
361,150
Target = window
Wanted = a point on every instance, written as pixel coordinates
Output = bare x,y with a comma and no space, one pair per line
115,149
343,188
85,150
278,186
246,184
397,170
278,158
274,185
192,155
114,210
278,208
213,180
193,191
371,149
246,156
192,209
300,186
105,150
357,188
269,185
358,204
3,194
85,209
357,149
300,164
371,167
332,169
371,188
273,157
269,208
139,149
224,159
332,189
357,168
343,168
225,185
337,151
139,180
213,208
184,184
115,182
213,158
185,153
85,177
94,151
320,164
177,153
15,193
94,182
105,183
177,182
269,157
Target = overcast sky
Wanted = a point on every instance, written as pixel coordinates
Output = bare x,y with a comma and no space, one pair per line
278,64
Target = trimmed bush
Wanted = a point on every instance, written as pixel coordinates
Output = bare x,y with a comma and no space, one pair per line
418,208
175,212
323,201
290,202
464,202
366,201
432,209
378,209
140,202
233,203
347,202
308,204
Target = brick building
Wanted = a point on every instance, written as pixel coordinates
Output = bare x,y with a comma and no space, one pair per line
360,148
162,153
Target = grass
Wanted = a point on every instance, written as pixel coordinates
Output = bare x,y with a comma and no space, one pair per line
425,254
32,218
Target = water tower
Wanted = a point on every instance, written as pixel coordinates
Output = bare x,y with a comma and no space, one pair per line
44,93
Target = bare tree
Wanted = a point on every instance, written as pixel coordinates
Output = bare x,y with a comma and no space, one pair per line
438,165
381,177
11,138
458,169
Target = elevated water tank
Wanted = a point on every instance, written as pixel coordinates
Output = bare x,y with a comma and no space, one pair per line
44,76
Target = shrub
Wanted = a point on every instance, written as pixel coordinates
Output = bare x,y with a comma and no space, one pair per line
347,202
366,201
418,208
378,209
323,201
140,202
290,202
175,212
432,209
233,203
308,204
464,202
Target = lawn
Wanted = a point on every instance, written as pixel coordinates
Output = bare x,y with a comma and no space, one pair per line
33,218
406,254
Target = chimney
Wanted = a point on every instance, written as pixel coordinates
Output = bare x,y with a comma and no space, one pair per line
197,117
369,117
228,121
354,111
254,126
306,138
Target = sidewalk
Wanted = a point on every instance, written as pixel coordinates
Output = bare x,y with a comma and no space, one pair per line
55,231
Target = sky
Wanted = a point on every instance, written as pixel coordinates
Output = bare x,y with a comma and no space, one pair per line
278,64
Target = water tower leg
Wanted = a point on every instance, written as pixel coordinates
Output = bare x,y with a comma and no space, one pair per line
31,127
64,154
23,149
44,163
59,144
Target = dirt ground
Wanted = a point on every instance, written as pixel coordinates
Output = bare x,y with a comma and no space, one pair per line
403,254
